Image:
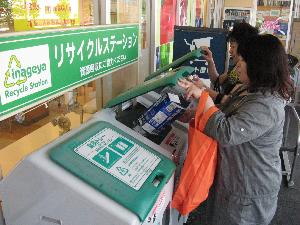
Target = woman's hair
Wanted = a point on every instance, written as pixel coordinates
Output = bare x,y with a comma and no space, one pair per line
267,65
241,32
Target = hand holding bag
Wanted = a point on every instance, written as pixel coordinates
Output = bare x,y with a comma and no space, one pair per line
200,164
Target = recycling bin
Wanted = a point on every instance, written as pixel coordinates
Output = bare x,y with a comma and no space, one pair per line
97,174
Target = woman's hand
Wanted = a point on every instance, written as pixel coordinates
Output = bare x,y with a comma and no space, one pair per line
208,54
198,82
192,91
187,115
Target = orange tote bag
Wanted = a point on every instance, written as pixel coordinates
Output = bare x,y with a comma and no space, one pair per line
200,164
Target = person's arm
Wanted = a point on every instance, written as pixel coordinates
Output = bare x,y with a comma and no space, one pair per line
200,84
193,91
212,71
222,78
222,98
212,93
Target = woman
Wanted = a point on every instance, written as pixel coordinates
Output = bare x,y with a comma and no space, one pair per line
224,83
249,127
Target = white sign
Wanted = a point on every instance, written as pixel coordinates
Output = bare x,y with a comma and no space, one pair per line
119,156
237,14
22,75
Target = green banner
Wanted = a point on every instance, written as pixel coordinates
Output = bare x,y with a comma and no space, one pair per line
38,66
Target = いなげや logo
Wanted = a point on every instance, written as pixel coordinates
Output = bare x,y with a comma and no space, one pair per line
17,75
24,72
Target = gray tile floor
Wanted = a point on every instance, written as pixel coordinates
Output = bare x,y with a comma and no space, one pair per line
288,210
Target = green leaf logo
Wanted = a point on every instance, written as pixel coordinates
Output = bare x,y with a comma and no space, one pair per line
8,84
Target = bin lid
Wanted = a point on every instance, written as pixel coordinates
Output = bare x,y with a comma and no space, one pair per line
169,78
188,57
116,164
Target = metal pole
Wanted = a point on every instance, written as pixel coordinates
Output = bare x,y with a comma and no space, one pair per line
2,222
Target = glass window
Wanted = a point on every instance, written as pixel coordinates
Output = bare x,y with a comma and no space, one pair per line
27,15
273,18
24,15
6,19
164,33
185,13
124,11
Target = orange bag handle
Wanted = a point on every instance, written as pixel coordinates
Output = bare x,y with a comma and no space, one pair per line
200,108
204,118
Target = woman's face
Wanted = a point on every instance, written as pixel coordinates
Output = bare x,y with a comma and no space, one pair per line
242,71
233,46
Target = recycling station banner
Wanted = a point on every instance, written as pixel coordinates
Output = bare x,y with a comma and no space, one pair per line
39,66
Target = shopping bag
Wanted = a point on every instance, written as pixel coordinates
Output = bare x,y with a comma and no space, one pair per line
200,164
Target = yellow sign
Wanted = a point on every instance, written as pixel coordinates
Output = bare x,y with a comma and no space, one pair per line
40,14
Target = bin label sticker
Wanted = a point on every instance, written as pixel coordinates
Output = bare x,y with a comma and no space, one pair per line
119,156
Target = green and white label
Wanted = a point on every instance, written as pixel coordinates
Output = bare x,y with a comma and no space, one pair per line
119,156
22,75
